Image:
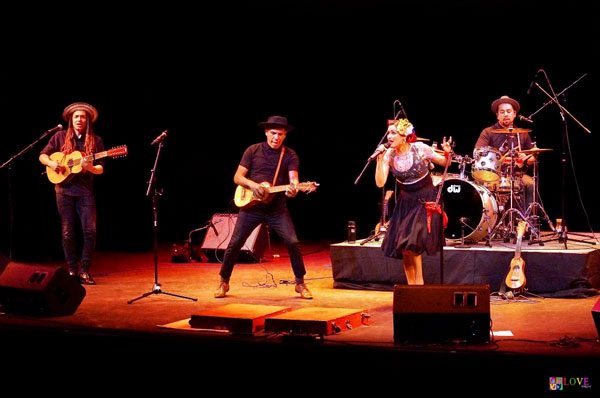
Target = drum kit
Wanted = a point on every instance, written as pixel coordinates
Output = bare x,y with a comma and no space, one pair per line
490,205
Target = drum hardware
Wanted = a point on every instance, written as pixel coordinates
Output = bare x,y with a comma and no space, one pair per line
534,206
511,227
463,224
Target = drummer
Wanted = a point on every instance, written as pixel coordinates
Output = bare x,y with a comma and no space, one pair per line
504,136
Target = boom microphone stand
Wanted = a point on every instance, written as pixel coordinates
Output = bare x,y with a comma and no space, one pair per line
563,235
155,194
10,193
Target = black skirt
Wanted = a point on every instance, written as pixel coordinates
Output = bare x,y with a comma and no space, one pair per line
407,229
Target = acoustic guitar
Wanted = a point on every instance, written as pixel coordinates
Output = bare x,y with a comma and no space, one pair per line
70,164
245,198
516,274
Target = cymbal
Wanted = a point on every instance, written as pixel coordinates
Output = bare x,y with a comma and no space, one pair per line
423,139
510,131
536,150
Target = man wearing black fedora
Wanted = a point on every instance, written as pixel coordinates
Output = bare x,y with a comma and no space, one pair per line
268,161
504,136
74,196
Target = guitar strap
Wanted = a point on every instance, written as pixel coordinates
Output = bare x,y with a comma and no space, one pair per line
278,166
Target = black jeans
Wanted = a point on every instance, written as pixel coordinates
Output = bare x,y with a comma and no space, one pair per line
70,208
280,221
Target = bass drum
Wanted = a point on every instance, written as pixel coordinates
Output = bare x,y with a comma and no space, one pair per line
473,204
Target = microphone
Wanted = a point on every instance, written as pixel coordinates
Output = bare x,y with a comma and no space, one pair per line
54,129
160,138
464,220
379,150
524,119
533,81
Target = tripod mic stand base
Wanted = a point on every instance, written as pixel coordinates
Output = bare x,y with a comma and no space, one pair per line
156,289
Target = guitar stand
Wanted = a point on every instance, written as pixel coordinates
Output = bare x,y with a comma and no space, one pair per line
156,289
512,294
375,236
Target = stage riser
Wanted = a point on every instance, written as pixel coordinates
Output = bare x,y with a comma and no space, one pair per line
365,267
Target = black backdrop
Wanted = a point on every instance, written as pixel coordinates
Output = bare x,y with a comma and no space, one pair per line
208,75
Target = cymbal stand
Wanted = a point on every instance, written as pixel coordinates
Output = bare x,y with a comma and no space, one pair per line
534,206
512,209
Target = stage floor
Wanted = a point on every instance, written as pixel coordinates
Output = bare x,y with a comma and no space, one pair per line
542,337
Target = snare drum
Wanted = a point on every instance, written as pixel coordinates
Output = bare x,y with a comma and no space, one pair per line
487,163
472,202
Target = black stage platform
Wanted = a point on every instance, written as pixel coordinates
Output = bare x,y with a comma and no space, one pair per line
551,269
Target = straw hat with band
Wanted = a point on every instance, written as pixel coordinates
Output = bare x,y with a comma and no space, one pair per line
80,106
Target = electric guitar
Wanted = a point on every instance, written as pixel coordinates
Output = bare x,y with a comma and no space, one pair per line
71,164
516,275
245,198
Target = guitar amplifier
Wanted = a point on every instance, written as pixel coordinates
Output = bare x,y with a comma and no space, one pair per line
438,313
215,241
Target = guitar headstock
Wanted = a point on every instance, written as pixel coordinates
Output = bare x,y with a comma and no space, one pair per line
117,151
309,186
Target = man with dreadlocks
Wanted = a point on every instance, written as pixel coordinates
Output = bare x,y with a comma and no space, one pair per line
74,196
415,225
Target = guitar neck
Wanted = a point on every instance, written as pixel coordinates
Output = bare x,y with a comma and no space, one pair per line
281,188
98,155
518,250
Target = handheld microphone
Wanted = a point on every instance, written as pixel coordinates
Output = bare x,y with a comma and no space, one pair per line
160,138
379,150
524,119
533,81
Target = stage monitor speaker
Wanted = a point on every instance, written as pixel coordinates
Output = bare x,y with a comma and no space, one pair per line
215,243
596,316
39,290
440,313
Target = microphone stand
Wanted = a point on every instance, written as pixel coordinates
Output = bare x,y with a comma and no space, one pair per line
155,194
563,235
8,165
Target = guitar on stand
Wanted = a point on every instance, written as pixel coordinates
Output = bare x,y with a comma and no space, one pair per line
515,279
383,223
381,226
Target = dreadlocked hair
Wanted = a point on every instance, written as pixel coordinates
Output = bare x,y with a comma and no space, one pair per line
90,143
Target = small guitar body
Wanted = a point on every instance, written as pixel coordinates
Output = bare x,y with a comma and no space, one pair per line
516,274
71,163
244,197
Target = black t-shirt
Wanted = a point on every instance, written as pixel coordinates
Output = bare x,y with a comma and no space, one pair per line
261,161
